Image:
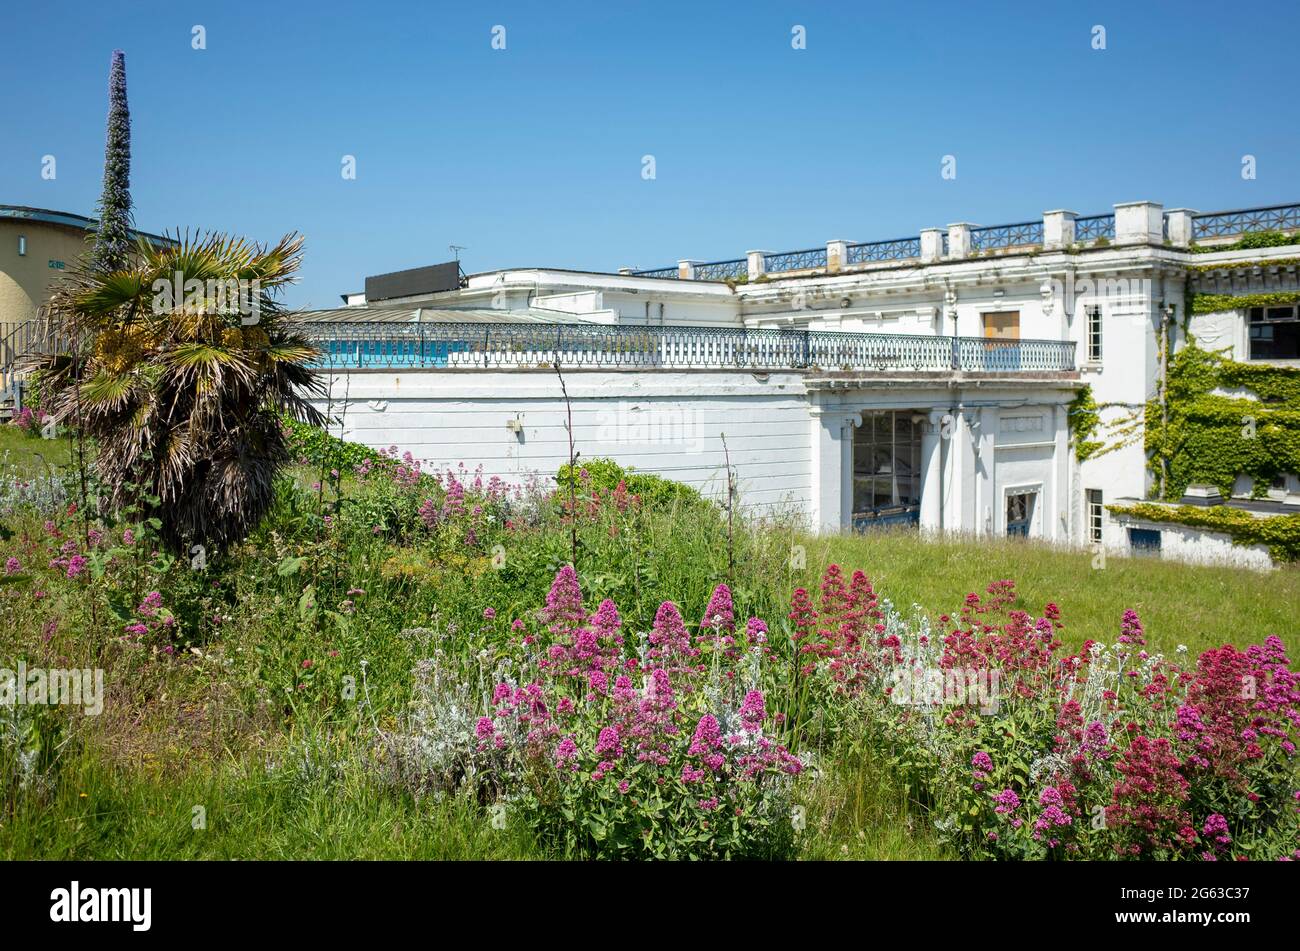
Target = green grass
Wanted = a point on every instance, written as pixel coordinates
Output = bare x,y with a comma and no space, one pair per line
1197,605
231,735
305,803
30,455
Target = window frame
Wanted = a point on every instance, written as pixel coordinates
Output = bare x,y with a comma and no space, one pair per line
1095,514
1264,320
1092,334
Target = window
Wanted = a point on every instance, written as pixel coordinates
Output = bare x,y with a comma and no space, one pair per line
1020,512
886,462
1144,541
22,245
1095,514
1094,334
1275,333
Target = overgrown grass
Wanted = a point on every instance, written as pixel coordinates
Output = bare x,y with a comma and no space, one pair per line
281,763
308,800
1197,605
30,456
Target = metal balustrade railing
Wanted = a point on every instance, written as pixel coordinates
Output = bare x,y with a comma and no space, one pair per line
1018,235
898,249
1222,224
795,260
430,346
664,273
1089,229
722,270
505,346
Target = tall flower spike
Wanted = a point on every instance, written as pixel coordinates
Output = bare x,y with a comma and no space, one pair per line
564,613
720,613
803,615
668,635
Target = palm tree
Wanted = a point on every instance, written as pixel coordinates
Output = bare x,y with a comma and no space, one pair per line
180,366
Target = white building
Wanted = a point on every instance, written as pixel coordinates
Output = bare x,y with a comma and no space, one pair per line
919,379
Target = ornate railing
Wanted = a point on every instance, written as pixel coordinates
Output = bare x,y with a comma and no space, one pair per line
1089,229
430,346
722,270
795,260
1221,224
899,249
504,346
667,273
1006,236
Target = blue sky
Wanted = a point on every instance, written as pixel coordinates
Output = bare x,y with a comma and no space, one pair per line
532,155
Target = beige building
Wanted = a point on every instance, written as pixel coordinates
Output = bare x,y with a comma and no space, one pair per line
37,246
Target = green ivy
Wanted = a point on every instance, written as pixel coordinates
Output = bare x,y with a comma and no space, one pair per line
1262,239
1211,438
1237,265
1281,533
1213,303
1084,417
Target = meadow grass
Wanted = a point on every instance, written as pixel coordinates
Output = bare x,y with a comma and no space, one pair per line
31,456
283,770
1197,605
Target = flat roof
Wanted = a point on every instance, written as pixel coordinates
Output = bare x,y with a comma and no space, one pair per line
69,220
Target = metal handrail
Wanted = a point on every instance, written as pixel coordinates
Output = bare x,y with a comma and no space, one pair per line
433,346
1219,224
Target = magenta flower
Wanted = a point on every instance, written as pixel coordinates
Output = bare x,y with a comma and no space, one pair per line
720,613
563,612
753,711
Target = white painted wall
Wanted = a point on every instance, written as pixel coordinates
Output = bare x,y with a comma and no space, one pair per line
1190,545
659,422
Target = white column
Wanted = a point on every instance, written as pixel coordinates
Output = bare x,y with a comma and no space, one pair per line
1139,222
686,270
757,263
837,255
931,245
931,472
1058,229
1180,226
959,240
1061,475
832,468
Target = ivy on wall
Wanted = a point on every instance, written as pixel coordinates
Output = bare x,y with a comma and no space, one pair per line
1212,438
1091,436
1214,303
1281,533
1261,239
1084,417
1239,265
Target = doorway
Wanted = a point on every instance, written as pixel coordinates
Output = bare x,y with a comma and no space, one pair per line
1002,340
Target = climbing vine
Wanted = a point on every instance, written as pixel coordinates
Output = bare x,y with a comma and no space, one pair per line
1213,303
1201,434
1085,419
1260,239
